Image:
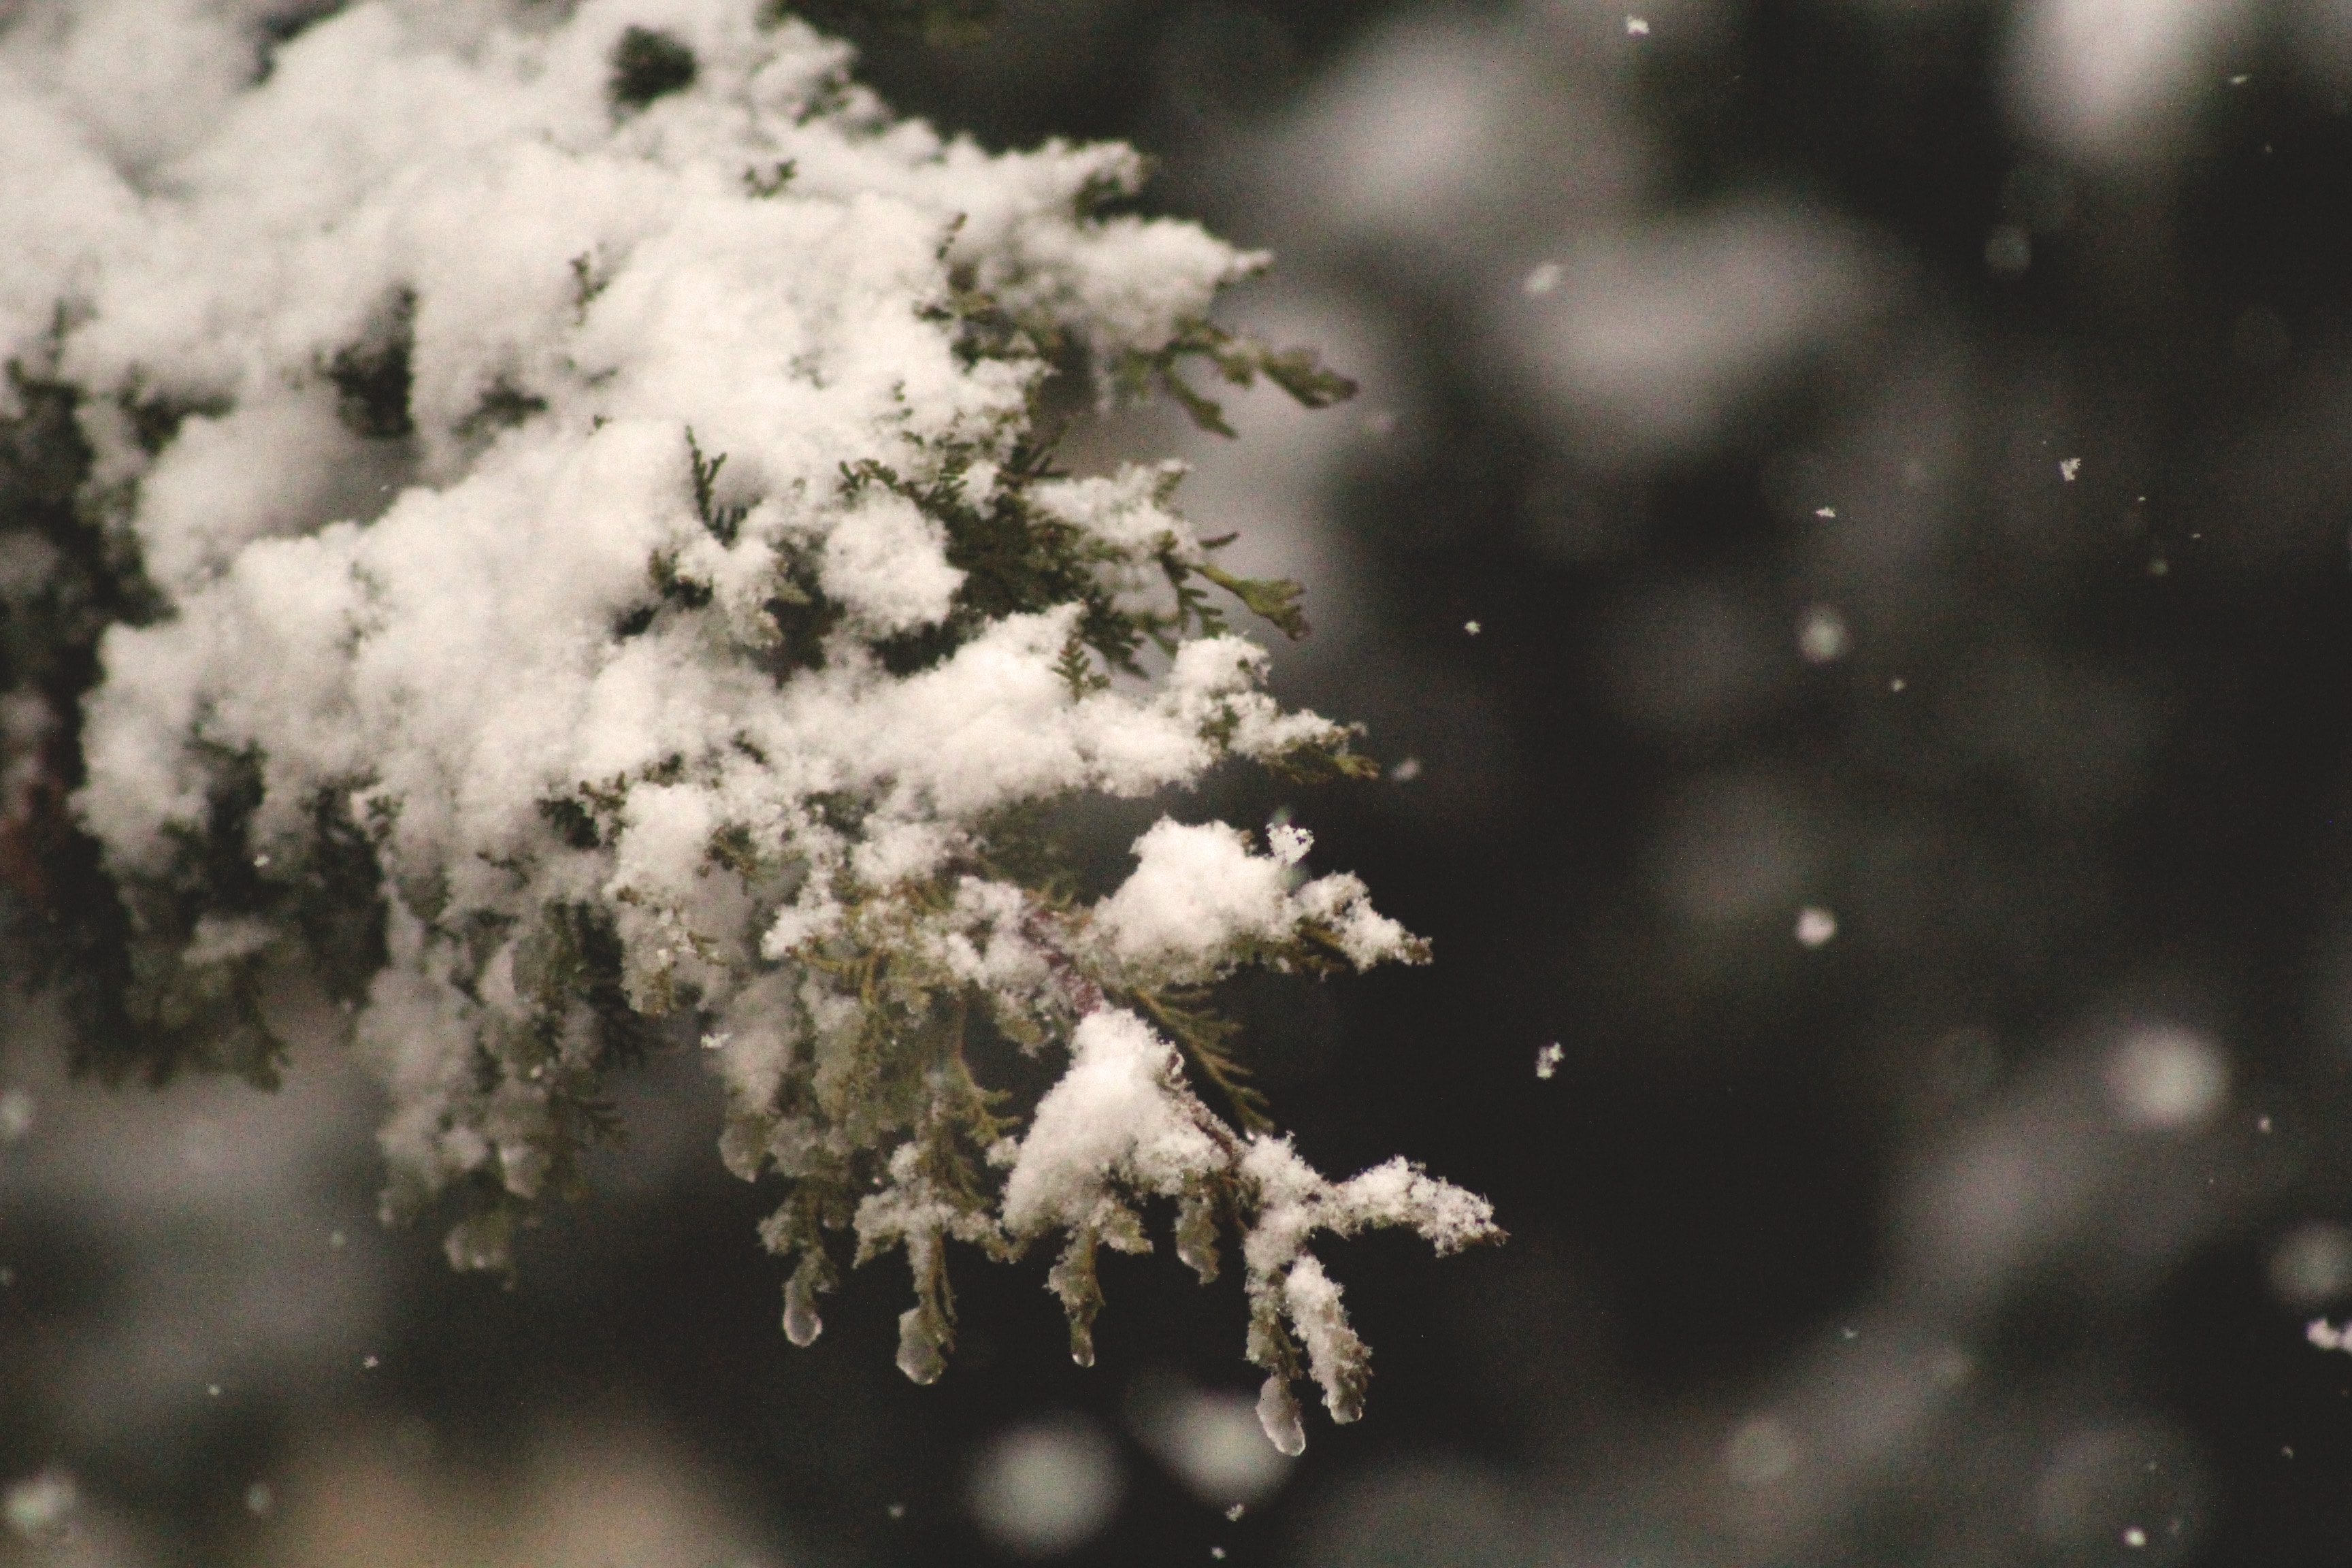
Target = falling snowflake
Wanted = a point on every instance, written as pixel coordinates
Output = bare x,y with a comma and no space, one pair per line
1821,636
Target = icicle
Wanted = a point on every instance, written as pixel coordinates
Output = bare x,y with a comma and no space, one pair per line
919,1347
1196,1234
1072,1280
803,1322
1278,1412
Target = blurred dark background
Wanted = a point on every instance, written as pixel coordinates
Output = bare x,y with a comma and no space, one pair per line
1845,548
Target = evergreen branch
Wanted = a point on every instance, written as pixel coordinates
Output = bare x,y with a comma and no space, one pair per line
1274,599
1203,1036
1236,359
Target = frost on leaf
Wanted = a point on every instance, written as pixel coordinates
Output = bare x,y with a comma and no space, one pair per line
549,529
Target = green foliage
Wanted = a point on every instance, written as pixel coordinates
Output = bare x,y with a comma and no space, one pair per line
724,522
588,281
762,183
203,932
66,572
649,65
1187,1016
503,407
1239,360
371,377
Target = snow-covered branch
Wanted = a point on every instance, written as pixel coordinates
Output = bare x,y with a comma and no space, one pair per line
570,553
